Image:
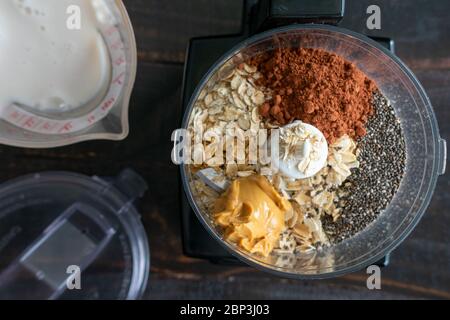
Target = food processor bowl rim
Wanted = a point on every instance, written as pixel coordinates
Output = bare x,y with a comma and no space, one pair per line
131,223
429,188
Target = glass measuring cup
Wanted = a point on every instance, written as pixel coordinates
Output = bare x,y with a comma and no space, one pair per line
105,117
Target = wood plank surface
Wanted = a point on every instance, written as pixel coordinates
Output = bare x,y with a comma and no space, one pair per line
419,268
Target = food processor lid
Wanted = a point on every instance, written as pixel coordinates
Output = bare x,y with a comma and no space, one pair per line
69,236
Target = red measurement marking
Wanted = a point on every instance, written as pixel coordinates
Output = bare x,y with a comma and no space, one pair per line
119,61
29,123
46,126
66,127
91,119
119,79
108,104
49,126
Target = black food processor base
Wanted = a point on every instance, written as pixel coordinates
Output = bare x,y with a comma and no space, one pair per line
201,55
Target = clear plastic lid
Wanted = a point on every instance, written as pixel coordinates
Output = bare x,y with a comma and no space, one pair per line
69,236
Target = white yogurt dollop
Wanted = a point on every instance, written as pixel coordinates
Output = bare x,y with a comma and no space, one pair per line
44,64
303,150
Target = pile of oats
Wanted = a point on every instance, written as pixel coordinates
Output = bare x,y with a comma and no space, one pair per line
231,99
317,196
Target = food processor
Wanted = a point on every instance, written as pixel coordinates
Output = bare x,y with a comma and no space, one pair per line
313,24
105,117
68,236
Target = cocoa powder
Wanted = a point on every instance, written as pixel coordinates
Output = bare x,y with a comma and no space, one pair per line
317,87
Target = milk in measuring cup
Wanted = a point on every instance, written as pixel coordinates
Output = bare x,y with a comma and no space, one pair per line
45,65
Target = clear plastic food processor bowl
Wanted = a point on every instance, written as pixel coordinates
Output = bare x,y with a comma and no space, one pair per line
426,151
106,117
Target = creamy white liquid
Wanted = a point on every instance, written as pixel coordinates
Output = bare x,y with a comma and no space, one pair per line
45,65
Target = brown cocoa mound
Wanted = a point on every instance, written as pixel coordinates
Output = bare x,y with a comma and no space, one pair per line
317,87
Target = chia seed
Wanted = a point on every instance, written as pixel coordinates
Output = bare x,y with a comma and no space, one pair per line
371,187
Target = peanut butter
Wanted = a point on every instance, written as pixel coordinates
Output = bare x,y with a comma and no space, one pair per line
252,213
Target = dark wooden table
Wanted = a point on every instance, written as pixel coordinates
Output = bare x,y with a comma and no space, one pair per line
420,267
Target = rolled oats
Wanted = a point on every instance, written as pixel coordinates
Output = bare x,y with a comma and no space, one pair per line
230,102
